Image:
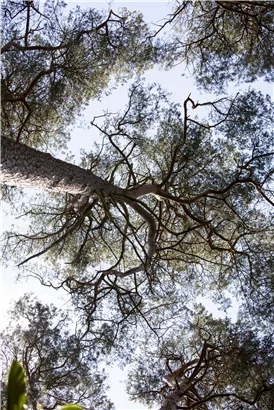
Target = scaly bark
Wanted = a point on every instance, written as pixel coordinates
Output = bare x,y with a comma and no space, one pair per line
26,167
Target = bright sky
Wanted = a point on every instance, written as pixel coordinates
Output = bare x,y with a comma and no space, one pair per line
180,87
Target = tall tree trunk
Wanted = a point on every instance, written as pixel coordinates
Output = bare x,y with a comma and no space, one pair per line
23,166
173,399
26,167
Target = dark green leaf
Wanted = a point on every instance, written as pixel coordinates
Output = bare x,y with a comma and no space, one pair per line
16,391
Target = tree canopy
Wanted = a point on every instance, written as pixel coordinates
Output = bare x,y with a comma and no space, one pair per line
222,41
199,211
60,369
53,65
174,203
206,364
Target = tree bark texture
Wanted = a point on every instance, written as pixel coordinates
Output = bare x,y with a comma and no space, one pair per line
26,167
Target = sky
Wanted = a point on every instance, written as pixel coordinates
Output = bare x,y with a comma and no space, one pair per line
180,87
